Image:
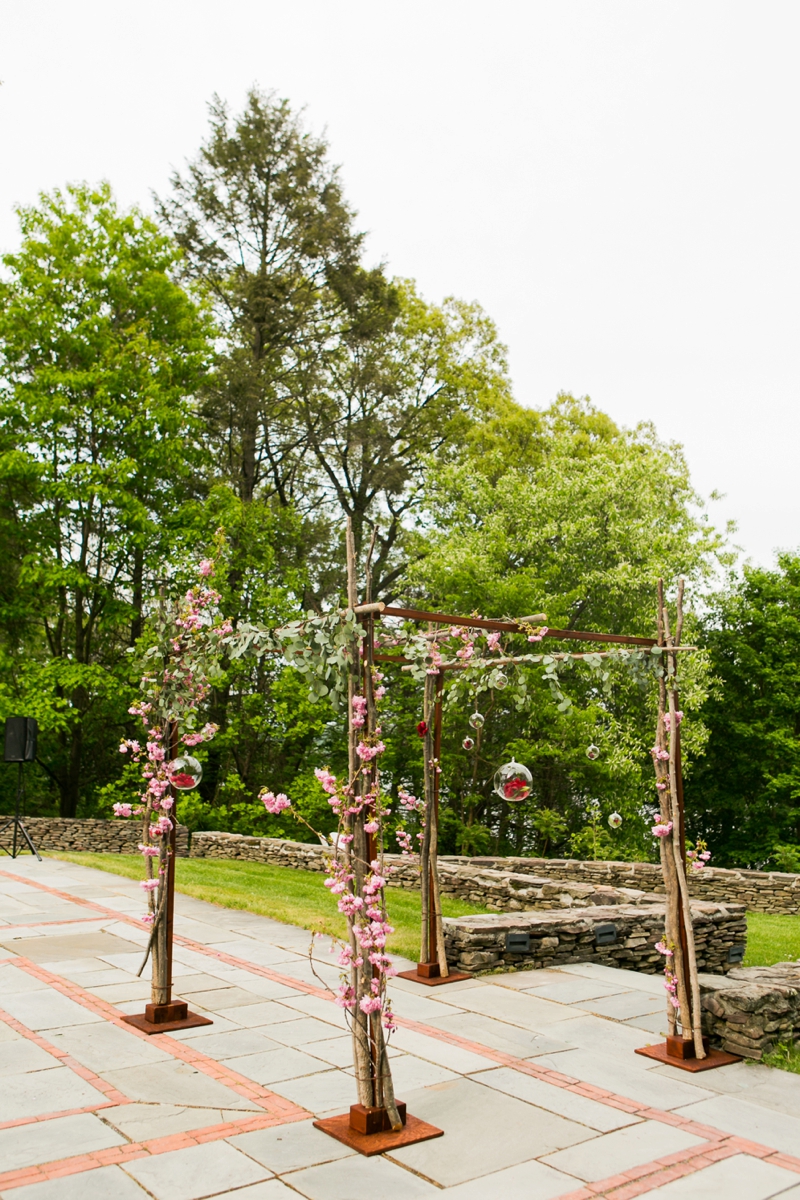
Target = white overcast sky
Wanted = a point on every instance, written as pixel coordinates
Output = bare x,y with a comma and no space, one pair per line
615,181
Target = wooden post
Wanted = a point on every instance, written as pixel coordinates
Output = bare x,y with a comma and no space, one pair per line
689,1050
432,969
163,1013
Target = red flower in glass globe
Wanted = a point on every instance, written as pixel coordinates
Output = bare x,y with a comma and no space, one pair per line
422,728
513,782
184,773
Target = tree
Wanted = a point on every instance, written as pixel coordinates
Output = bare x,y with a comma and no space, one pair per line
100,354
561,512
745,795
265,229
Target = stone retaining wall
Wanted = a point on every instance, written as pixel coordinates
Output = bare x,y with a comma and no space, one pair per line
759,891
480,943
501,883
753,1008
80,835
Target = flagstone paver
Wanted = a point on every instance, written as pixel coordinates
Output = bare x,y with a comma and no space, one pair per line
531,1076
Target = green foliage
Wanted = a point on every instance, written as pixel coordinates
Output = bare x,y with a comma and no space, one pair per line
745,793
100,352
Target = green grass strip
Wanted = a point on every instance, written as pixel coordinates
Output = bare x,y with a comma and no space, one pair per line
296,897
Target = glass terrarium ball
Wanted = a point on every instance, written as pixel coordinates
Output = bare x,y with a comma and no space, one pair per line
468,743
500,680
513,782
184,773
592,751
615,820
477,720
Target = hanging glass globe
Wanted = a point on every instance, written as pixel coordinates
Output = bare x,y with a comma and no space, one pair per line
592,751
184,773
499,680
477,720
468,743
615,820
513,782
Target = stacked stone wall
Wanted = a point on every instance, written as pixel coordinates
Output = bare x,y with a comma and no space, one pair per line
753,1008
79,835
479,881
481,943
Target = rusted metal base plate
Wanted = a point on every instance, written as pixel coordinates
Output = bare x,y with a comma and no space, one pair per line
714,1058
413,1131
433,980
189,1022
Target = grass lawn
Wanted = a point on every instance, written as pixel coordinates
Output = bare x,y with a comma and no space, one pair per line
297,897
772,938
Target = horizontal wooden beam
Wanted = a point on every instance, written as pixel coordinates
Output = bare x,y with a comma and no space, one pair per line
575,635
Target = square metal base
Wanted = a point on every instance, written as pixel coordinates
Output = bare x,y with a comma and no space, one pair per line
428,973
684,1059
383,1140
164,1018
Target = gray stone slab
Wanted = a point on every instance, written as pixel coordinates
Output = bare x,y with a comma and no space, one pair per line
517,1008
526,1181
299,1030
58,946
653,1023
13,980
176,1082
220,999
618,1074
48,1009
141,1122
511,1039
196,1172
624,1005
484,1132
635,980
41,1092
596,1115
736,1115
737,1178
272,1189
45,1141
267,1012
315,1006
352,1178
275,1065
338,1051
613,1153
20,1055
446,1055
576,991
236,1043
323,1094
590,1033
290,1147
104,1183
105,1047
410,1073
523,980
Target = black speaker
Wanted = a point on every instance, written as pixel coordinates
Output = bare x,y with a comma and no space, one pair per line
20,744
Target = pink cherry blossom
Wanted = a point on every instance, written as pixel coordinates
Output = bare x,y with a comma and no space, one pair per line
149,885
275,804
661,830
122,810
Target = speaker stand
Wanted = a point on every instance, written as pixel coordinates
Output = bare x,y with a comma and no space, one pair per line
18,826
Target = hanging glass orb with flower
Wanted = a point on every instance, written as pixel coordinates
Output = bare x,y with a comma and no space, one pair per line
184,773
468,743
614,820
513,782
592,752
477,720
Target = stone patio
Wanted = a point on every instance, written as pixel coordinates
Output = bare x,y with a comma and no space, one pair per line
531,1075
